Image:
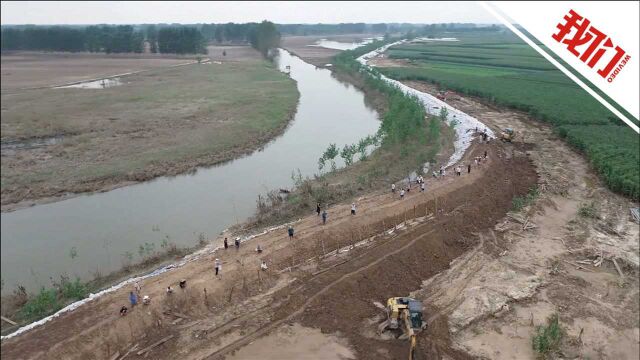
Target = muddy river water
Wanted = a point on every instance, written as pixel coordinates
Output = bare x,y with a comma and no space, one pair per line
93,232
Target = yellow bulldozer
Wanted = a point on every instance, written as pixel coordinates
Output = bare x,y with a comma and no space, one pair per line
404,317
507,134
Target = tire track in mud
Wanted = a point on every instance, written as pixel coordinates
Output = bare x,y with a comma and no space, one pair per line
263,331
416,254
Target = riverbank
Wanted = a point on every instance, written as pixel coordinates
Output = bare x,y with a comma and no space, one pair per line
305,46
458,232
58,143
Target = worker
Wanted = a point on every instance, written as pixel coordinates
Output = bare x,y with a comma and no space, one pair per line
263,266
259,249
169,290
137,288
458,171
182,284
324,217
469,168
393,188
123,310
318,209
422,187
226,244
218,266
353,208
237,243
485,154
146,300
435,175
401,194
441,170
133,298
290,231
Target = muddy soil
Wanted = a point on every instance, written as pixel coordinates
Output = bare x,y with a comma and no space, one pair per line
332,292
557,258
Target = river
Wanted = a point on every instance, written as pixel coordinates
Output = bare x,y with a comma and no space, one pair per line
37,242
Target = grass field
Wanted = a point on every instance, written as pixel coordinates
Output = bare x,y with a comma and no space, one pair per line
164,121
507,72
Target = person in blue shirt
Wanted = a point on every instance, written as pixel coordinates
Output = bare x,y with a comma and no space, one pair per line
133,298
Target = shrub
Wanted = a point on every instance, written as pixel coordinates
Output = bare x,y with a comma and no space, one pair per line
75,290
546,339
519,202
42,304
588,211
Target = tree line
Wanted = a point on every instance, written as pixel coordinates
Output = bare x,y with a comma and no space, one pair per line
184,39
104,38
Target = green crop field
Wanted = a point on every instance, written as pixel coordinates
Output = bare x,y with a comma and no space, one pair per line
501,68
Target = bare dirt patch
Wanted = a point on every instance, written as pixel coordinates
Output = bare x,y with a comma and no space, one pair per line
554,256
319,56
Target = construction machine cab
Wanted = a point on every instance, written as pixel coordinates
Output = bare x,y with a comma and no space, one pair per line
415,314
403,309
508,134
404,315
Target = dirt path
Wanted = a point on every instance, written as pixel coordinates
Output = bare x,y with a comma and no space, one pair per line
245,302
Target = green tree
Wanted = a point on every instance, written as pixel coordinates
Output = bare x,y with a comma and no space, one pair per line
264,37
330,154
347,153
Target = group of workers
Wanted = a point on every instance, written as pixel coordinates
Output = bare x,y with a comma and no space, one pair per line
436,175
134,295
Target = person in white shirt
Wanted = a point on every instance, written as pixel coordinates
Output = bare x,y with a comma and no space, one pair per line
218,266
353,208
402,194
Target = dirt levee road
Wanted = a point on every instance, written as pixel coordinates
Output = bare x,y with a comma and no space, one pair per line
333,292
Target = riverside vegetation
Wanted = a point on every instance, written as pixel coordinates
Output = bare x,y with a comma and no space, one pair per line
406,139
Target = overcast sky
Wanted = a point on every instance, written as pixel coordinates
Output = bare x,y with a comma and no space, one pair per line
140,12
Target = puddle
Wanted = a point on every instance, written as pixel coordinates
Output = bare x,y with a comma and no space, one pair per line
95,84
30,143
